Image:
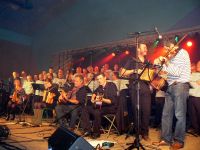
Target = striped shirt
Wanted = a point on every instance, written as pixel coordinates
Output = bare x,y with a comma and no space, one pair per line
178,69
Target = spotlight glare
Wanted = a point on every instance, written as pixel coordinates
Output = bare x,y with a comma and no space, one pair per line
189,43
127,52
113,54
82,58
160,37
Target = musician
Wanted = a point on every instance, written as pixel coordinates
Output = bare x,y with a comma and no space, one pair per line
69,102
38,104
16,99
51,94
27,86
140,86
177,67
60,80
51,71
102,102
11,80
194,99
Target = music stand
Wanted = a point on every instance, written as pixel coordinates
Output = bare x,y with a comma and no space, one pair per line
39,87
35,87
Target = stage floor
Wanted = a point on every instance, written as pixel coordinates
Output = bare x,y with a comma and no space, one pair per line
34,138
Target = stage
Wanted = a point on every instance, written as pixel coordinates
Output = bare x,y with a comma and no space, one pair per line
35,138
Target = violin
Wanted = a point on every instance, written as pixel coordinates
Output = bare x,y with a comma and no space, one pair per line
171,51
159,81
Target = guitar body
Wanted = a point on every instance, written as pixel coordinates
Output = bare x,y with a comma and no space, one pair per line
15,98
159,83
147,74
98,101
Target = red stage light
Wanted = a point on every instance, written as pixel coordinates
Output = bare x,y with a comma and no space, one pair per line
82,58
189,43
127,52
113,54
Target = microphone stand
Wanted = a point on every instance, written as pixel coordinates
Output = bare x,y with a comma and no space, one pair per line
63,116
136,144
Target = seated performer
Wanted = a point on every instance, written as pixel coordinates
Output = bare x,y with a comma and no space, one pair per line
103,102
69,100
194,99
16,99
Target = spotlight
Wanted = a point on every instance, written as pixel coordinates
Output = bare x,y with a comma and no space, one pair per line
113,54
127,52
176,38
189,43
82,58
156,42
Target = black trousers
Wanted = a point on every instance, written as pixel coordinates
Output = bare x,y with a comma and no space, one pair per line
194,113
12,108
144,106
96,114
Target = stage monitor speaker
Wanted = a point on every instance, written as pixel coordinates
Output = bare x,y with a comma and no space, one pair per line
63,139
4,132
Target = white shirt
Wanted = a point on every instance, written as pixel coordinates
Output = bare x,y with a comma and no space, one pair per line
28,87
195,90
178,69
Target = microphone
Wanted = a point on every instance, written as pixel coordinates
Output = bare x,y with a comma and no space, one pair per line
158,33
134,33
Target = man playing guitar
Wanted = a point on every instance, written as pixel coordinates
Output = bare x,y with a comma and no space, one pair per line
68,102
103,102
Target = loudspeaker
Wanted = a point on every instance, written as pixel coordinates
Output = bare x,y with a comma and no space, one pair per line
63,139
4,132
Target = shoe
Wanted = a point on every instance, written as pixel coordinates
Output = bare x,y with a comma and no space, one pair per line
176,145
95,135
86,134
161,143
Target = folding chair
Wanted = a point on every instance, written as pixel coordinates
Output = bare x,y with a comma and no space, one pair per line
111,118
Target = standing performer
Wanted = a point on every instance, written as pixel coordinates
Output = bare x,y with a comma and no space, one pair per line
177,67
144,91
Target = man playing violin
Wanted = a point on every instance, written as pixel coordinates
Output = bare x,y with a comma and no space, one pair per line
177,67
69,101
103,101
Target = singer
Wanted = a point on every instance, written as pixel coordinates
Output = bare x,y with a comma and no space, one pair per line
144,91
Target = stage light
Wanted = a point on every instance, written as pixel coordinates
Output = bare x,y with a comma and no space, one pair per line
113,54
189,43
82,58
127,52
176,38
156,42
